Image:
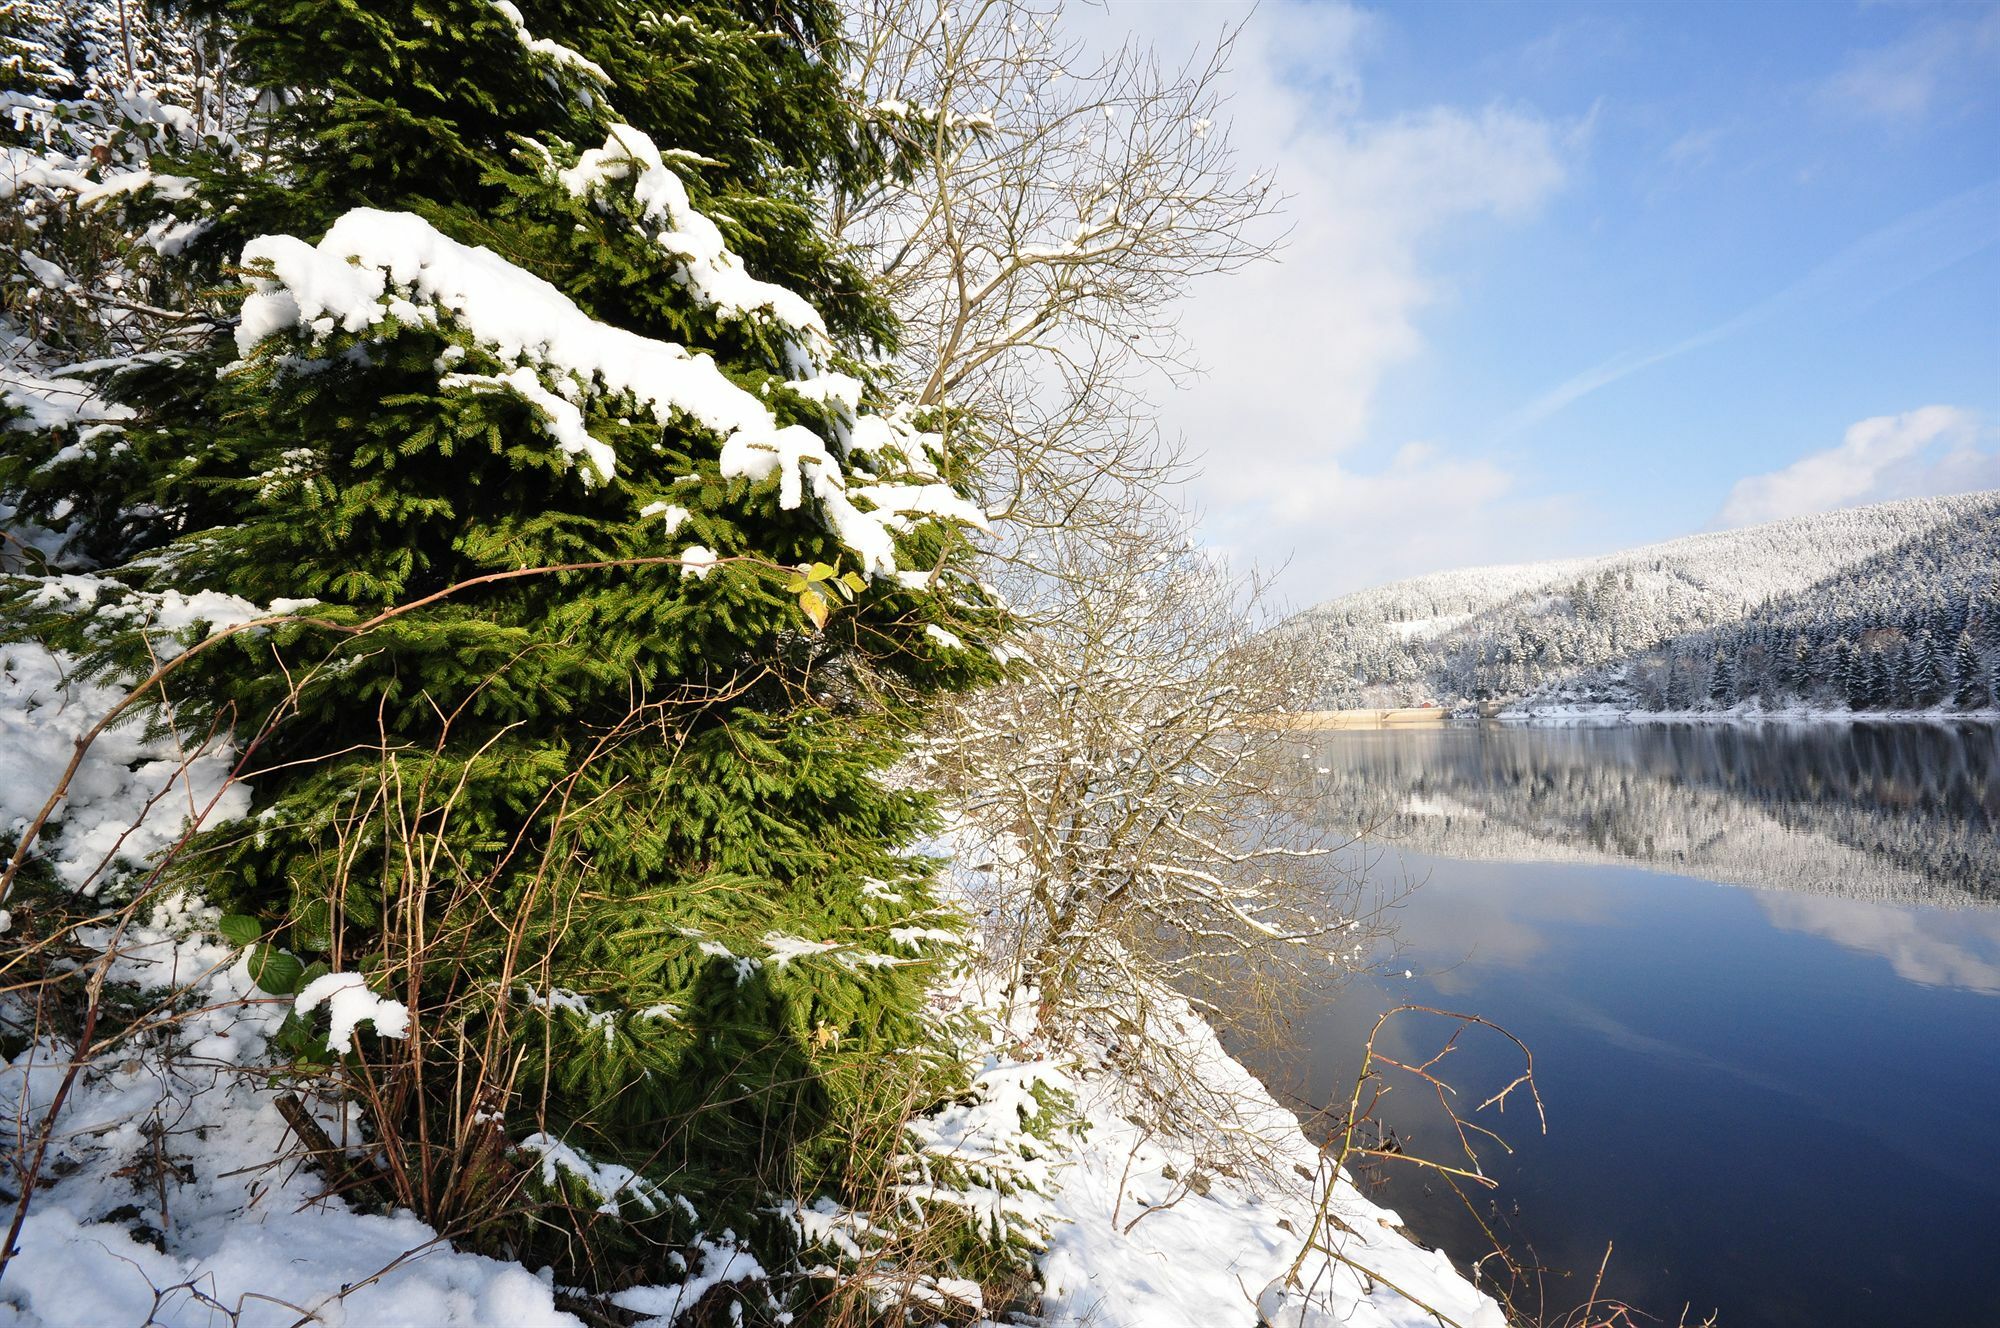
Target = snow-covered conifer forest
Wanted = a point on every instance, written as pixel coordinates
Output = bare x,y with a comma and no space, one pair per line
1888,608
603,716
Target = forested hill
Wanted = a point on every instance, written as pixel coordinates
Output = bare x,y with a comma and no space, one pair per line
1895,606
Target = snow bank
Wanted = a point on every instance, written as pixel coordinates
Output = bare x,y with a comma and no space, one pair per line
176,1199
267,1272
1128,1243
1211,1259
1138,1235
242,1231
132,796
1194,1221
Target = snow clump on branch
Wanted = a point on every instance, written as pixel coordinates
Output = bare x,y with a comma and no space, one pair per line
349,1003
374,266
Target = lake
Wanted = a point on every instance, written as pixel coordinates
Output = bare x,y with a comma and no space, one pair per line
1759,972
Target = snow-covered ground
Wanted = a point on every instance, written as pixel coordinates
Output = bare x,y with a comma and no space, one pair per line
1142,1241
169,1196
1130,1244
128,797
172,1193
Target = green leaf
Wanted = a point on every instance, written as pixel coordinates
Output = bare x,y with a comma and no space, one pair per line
855,582
276,971
240,929
820,572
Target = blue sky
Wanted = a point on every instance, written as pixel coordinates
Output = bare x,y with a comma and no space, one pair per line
1565,278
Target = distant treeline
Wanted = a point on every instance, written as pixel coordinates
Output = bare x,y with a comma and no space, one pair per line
1887,608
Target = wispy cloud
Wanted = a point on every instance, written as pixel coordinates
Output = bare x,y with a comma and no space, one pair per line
1585,39
1694,148
1892,259
1936,449
1940,68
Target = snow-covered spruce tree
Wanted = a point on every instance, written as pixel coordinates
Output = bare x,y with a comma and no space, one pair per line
1722,681
608,587
1969,690
92,94
28,60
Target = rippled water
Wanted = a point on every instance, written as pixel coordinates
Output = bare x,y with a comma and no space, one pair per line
1759,971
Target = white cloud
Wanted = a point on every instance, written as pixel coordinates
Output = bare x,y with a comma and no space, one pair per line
1422,511
1937,449
1296,350
1940,67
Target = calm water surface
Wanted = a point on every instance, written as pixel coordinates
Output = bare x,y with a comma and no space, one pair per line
1759,969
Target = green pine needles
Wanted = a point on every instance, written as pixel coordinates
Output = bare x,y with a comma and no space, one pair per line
596,588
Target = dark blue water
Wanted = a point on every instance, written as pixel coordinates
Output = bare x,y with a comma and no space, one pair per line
1759,972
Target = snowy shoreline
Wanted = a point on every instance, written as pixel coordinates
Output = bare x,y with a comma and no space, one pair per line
1140,1230
254,1237
1146,1231
1555,716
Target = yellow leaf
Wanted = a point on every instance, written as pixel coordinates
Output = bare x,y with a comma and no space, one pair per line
821,572
815,607
854,582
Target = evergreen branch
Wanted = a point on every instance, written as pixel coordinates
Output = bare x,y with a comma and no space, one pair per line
159,675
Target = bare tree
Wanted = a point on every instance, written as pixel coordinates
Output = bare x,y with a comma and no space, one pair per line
1132,824
1053,206
1145,810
